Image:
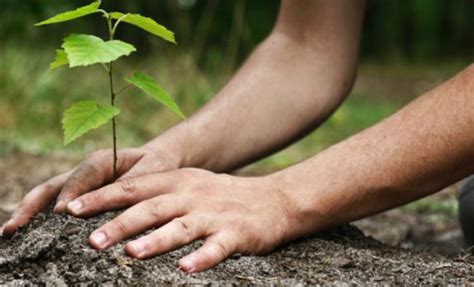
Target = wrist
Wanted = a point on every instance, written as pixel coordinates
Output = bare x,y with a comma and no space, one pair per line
308,209
172,145
183,144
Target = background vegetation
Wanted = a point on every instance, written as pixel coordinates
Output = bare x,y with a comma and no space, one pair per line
407,47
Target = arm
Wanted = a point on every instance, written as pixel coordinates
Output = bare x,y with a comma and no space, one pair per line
420,149
293,81
289,85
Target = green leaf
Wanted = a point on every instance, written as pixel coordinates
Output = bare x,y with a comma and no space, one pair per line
146,24
71,15
84,50
84,116
59,60
149,86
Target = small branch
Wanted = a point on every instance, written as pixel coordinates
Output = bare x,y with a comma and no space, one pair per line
123,89
117,23
109,21
106,15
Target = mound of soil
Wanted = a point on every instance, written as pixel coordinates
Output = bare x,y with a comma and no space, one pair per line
53,250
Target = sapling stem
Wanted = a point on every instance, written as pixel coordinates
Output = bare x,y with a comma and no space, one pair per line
84,50
112,102
114,132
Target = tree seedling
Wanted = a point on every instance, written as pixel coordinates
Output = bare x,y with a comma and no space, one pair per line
84,50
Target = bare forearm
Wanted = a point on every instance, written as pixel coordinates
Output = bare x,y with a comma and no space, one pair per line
419,150
290,84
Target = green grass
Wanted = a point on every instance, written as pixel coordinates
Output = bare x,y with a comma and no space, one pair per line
429,206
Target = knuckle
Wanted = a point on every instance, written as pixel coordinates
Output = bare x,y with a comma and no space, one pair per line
152,209
226,206
93,198
47,187
184,226
85,170
201,188
241,228
120,226
127,186
220,249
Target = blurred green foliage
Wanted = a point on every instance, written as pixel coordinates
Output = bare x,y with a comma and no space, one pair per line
214,37
409,29
419,30
431,206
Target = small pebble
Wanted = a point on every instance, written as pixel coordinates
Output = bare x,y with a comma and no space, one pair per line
73,230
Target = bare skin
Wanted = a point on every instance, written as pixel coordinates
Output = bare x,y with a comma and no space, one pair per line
291,83
313,63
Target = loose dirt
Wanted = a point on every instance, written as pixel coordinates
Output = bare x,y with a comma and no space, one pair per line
52,250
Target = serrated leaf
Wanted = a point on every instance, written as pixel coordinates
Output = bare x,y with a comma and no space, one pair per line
71,15
59,60
152,88
84,50
84,116
146,24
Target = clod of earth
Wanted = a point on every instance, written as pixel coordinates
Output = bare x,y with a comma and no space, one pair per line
53,250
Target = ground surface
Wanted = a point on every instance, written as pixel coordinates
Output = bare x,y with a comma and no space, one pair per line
52,250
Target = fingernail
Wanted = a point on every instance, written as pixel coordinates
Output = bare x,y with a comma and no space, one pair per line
59,206
99,239
187,265
137,248
75,206
9,222
2,230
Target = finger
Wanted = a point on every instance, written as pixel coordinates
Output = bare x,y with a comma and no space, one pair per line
173,235
35,201
215,250
125,192
95,172
140,217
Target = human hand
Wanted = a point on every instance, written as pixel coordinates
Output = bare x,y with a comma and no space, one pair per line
90,174
232,214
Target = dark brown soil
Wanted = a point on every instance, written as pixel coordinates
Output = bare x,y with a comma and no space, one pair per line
53,251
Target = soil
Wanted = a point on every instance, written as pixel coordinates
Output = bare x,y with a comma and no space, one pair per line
52,250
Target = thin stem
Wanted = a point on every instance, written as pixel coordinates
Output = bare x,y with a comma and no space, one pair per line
114,133
123,89
112,102
117,23
106,15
